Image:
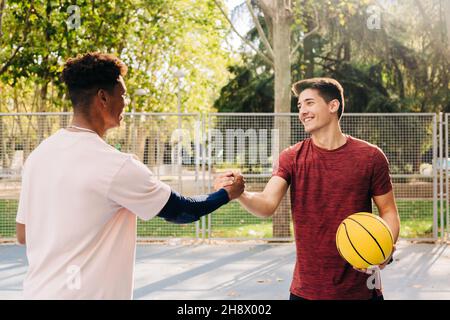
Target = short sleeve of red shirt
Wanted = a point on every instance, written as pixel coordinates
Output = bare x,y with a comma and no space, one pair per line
381,181
283,168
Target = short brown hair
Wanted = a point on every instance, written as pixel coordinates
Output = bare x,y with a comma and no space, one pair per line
85,74
329,89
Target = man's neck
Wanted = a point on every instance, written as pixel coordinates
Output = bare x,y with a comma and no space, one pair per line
82,122
330,139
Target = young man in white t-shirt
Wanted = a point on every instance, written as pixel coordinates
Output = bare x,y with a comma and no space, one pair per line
80,197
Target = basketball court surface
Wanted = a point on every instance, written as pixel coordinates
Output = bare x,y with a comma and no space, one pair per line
246,271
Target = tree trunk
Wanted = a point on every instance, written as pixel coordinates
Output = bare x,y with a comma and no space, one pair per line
128,132
152,148
399,79
141,138
347,51
42,107
308,46
63,120
447,20
2,7
281,47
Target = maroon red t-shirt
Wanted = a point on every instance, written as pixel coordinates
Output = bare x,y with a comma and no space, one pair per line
326,187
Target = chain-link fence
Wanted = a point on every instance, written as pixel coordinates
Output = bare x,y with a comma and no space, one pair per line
250,143
410,143
186,151
444,168
247,142
169,144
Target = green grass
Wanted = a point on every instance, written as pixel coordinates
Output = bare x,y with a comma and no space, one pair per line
8,211
160,228
416,218
231,221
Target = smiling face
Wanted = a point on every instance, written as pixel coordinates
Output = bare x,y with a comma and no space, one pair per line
314,112
114,103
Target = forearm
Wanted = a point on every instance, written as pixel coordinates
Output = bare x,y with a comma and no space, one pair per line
393,221
180,209
257,204
20,232
388,212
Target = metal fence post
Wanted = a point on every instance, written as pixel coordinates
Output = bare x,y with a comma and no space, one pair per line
209,158
441,176
434,164
198,140
446,174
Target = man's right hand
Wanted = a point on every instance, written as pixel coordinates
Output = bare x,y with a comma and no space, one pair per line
232,182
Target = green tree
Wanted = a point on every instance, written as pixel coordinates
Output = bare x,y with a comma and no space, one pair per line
402,66
154,37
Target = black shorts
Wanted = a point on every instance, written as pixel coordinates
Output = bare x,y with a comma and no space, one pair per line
375,297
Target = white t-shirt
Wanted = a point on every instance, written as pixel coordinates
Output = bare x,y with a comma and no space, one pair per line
79,202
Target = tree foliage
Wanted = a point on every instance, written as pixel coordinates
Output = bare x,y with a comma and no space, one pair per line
401,67
154,37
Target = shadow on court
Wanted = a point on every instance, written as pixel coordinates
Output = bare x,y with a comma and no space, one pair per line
246,271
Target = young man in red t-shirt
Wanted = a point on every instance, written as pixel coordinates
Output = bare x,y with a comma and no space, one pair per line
331,175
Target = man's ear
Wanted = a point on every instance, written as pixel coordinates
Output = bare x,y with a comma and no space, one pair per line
334,105
103,97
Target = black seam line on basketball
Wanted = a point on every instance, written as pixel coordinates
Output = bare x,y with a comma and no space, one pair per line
382,252
348,237
371,216
339,250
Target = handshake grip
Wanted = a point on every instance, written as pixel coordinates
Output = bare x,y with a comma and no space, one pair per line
232,182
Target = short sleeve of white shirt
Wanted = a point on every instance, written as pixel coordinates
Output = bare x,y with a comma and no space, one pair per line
20,218
135,188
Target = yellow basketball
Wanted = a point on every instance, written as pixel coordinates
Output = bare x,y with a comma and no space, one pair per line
364,239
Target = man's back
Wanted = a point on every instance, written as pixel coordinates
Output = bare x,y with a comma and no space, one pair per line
80,242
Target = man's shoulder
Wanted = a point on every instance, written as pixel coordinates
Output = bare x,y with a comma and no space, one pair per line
43,147
109,154
365,146
60,143
295,148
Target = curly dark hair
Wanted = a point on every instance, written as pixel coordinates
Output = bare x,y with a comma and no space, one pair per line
85,74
